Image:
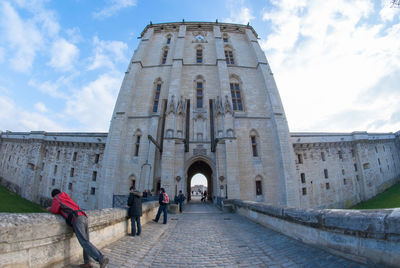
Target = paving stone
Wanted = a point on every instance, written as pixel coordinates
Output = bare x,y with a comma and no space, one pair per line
202,237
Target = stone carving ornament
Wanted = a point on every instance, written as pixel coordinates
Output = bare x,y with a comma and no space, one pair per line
171,106
228,107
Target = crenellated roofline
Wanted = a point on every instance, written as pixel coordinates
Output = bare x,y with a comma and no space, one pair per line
198,25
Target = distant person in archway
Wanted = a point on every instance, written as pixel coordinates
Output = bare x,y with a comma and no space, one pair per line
77,219
163,200
204,198
135,210
181,199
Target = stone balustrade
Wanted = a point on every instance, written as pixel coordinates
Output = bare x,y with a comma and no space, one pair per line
45,240
367,236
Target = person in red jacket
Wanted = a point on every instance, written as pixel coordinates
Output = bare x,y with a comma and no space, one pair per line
77,218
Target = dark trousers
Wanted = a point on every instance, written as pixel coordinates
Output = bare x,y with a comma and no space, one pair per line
81,230
133,226
162,208
180,206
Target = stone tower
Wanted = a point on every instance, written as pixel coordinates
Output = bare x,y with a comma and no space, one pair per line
199,97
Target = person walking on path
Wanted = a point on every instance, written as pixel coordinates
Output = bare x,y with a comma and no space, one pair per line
163,200
181,199
77,218
135,210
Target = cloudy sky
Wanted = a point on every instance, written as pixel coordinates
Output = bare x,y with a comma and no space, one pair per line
336,62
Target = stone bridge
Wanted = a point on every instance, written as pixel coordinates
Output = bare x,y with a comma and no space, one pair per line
204,236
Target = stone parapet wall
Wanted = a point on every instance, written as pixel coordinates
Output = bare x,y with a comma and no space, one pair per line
45,240
368,236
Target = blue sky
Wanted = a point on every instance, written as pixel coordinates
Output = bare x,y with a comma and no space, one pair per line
336,63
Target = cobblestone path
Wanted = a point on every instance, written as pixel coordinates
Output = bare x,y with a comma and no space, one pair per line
203,236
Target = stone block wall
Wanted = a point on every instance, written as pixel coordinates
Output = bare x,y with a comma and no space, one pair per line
367,236
338,170
45,240
38,162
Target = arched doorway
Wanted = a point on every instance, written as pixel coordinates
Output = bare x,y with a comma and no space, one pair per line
203,168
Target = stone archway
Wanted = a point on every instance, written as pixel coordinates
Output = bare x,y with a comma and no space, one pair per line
200,166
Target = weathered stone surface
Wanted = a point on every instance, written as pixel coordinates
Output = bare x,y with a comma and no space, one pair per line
45,240
368,236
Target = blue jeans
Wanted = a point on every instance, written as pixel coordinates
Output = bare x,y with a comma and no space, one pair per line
162,208
81,230
133,226
180,206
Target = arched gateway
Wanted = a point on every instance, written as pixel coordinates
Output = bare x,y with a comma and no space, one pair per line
200,97
203,166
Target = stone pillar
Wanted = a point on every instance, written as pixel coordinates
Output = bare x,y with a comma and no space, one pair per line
288,192
117,135
170,158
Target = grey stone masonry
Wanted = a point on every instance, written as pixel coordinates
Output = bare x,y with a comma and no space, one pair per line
370,236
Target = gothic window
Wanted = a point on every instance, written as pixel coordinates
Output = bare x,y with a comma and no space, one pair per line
236,96
75,155
55,169
300,158
254,143
164,55
71,173
304,191
303,178
92,191
199,84
258,187
199,54
199,94
326,173
96,159
94,175
229,56
168,39
137,145
156,97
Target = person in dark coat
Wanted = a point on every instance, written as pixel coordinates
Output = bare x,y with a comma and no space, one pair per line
181,198
135,210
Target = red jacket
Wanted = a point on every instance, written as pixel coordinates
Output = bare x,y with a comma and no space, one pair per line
63,204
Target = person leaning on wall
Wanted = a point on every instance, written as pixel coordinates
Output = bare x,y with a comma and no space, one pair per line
77,219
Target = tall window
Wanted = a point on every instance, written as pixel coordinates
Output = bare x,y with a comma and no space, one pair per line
165,55
137,145
169,39
236,97
199,94
229,56
199,55
254,145
258,188
156,98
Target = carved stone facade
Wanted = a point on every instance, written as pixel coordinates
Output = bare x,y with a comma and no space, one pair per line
214,88
201,98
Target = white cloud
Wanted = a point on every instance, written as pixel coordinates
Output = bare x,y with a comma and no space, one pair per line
63,54
41,107
15,118
325,57
107,54
113,7
93,105
24,39
238,12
